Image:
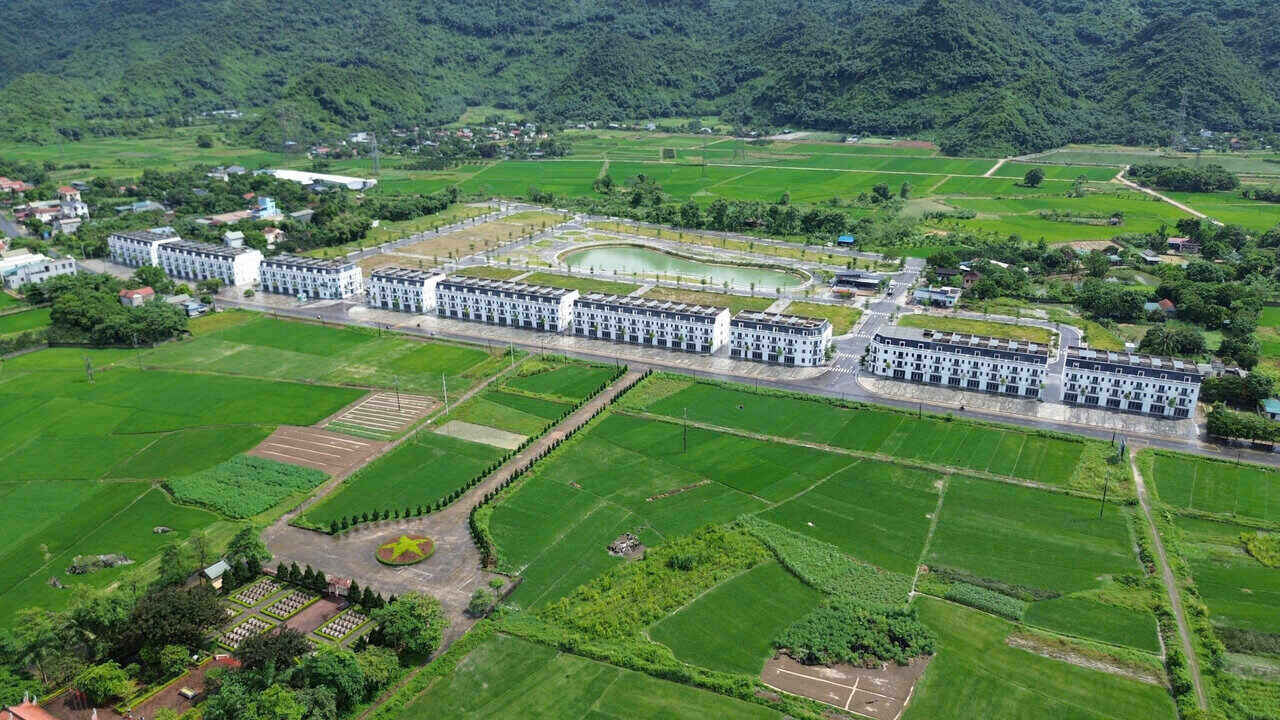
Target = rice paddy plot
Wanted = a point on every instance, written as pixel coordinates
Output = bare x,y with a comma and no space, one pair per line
1240,591
420,471
508,677
975,674
1048,460
511,413
1230,208
116,518
186,451
573,382
1025,537
296,336
24,321
876,512
1082,617
515,177
731,627
1059,172
1216,486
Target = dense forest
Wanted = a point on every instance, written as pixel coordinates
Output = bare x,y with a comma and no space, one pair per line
976,75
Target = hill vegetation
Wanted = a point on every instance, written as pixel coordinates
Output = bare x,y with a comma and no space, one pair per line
987,76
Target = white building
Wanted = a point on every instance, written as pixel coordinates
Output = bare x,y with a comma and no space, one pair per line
404,289
944,296
236,266
505,303
678,326
308,178
312,277
959,361
18,269
136,248
783,339
1146,384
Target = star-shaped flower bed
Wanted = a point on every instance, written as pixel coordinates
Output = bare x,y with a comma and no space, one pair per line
406,550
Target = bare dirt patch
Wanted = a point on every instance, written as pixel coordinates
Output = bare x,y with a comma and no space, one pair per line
481,434
383,413
881,693
320,449
914,144
171,697
1035,645
314,615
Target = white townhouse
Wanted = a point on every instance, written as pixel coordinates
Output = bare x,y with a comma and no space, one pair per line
237,266
783,339
959,361
404,289
621,318
505,303
136,248
312,277
1145,384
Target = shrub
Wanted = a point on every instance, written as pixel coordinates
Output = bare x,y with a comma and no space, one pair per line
825,567
1264,547
845,630
988,600
481,600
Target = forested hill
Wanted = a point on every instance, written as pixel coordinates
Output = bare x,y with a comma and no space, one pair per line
978,75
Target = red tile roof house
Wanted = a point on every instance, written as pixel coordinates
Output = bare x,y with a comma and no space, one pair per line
1167,306
28,710
135,298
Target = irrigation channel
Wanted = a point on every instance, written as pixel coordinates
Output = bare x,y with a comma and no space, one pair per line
627,259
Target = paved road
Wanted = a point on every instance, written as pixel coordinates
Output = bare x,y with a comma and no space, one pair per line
840,381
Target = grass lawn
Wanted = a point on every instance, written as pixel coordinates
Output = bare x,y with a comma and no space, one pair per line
735,303
24,321
512,678
1029,333
842,317
1216,486
491,272
8,302
1087,618
581,284
976,675
1029,537
397,479
731,628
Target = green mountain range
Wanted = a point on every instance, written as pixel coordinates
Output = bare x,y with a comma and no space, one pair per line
976,75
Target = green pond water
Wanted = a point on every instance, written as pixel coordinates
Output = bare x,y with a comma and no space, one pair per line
647,262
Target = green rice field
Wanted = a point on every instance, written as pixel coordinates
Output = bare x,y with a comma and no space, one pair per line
976,675
962,445
24,321
1028,537
571,382
1216,486
1091,619
261,346
511,678
730,627
1240,591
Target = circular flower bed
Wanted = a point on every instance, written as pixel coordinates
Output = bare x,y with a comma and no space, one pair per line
406,550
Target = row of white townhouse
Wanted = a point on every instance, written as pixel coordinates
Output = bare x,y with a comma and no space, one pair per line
311,277
1126,382
1146,384
235,266
665,324
960,361
763,337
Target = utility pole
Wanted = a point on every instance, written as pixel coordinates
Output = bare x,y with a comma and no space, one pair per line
373,139
444,382
397,381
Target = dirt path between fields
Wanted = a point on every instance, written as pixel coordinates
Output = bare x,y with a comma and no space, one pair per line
1170,583
1120,178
